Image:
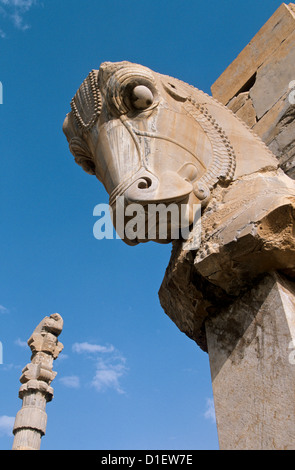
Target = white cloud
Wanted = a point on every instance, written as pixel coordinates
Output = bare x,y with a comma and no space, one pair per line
108,373
6,425
14,11
91,348
2,308
71,381
210,410
19,342
22,5
62,357
109,365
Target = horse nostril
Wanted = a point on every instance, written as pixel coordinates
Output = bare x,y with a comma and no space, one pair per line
144,183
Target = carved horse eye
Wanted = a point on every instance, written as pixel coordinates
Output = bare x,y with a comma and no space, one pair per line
142,97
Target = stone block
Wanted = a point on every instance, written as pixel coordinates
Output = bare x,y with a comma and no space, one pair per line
250,231
276,128
273,76
242,106
269,125
286,136
30,417
183,295
238,101
247,113
265,42
247,230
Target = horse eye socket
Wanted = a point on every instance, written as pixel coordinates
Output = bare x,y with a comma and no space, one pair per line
141,97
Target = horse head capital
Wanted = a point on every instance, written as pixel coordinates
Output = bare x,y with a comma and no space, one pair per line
153,139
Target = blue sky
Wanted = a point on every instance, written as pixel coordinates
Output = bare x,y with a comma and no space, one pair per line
127,377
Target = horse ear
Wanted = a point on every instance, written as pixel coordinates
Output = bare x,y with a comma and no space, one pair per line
179,90
86,104
82,154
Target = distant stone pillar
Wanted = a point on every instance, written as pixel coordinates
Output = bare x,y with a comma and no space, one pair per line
30,422
251,352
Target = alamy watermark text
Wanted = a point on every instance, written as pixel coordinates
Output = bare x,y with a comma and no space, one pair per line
152,222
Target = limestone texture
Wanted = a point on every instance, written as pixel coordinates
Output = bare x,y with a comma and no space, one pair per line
259,83
152,139
35,391
247,226
242,71
251,349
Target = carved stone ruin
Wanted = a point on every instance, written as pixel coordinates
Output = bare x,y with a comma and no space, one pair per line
153,139
259,85
35,392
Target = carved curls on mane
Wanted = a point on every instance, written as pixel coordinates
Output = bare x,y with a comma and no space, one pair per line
86,104
86,108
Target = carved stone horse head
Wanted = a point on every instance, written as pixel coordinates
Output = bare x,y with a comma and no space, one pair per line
152,139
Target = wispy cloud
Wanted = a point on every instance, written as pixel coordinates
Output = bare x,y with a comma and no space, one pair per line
109,365
108,373
14,11
210,410
2,308
62,357
71,381
91,348
6,425
22,344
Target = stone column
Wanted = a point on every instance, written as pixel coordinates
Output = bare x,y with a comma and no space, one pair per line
30,422
251,351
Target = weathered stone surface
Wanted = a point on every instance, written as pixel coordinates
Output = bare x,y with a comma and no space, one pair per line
31,417
238,101
153,139
276,128
273,76
270,110
35,392
247,113
178,149
243,317
269,125
251,350
185,296
44,338
244,67
243,107
247,230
